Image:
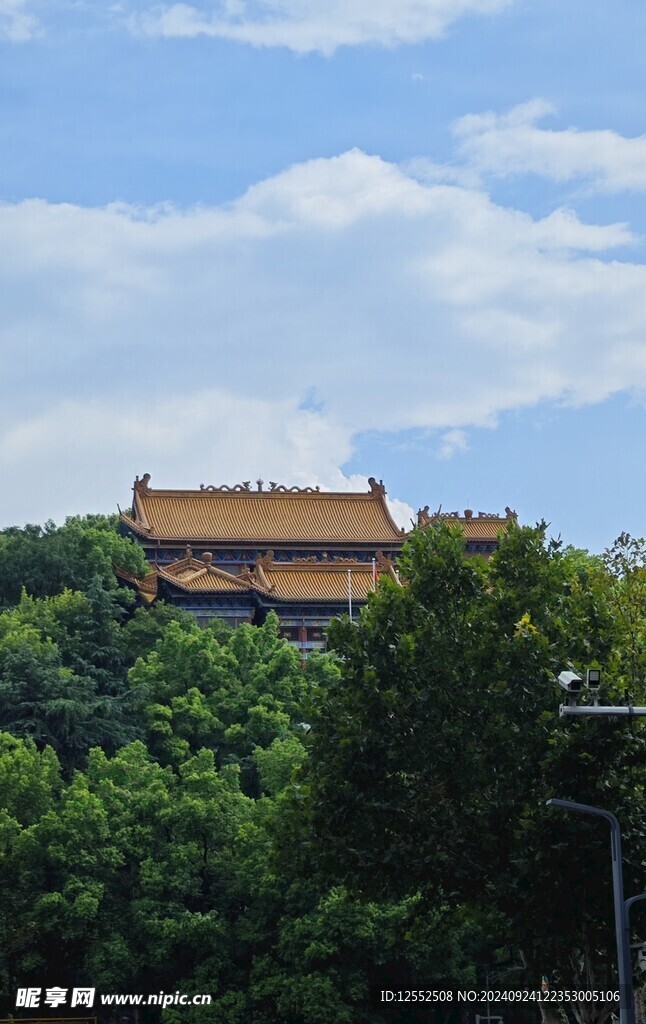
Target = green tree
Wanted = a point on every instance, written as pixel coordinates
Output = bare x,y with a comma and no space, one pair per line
433,755
63,673
625,564
47,560
146,625
230,697
126,880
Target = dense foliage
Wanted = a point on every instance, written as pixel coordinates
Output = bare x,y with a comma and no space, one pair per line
188,809
45,561
434,756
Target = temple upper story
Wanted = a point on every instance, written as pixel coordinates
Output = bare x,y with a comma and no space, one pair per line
277,516
237,552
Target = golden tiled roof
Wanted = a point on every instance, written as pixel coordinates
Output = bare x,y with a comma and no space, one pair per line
313,583
146,585
208,583
479,529
290,581
481,526
193,574
287,583
265,517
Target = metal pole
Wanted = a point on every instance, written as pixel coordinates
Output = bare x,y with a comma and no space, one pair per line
601,711
624,964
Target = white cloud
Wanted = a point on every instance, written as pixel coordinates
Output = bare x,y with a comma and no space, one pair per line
16,22
453,442
513,143
309,25
186,342
401,513
184,440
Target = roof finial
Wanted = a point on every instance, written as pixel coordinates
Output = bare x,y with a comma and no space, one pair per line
141,486
376,488
260,482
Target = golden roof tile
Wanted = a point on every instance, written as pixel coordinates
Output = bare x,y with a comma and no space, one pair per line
290,581
320,583
193,574
480,526
145,585
277,516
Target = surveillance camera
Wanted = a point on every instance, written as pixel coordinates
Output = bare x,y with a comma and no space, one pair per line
570,682
593,678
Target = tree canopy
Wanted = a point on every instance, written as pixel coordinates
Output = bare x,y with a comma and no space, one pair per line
188,809
434,753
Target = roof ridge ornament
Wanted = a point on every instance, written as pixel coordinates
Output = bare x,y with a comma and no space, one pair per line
244,486
283,489
263,563
267,560
425,518
385,564
376,488
142,486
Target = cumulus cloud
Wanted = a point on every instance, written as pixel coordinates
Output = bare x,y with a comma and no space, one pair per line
514,143
17,23
183,439
453,442
309,25
183,342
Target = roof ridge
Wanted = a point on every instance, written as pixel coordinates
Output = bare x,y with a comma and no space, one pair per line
320,566
268,517
169,492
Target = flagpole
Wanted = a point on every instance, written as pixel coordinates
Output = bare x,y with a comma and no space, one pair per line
350,593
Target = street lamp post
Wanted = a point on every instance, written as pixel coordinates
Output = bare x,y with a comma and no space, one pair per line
626,1003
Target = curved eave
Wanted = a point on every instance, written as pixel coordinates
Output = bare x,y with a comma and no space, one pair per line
146,586
335,602
136,527
266,543
238,587
398,531
277,543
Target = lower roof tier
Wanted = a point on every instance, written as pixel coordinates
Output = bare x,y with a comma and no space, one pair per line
271,582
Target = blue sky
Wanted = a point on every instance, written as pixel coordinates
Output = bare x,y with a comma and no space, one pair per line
319,242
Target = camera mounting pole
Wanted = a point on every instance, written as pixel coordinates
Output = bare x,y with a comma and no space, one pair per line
600,710
573,685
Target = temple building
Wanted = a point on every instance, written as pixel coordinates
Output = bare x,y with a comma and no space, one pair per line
235,553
